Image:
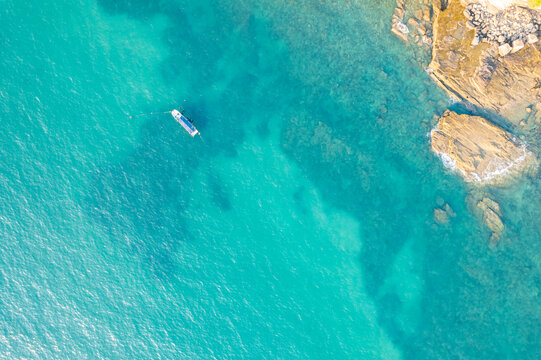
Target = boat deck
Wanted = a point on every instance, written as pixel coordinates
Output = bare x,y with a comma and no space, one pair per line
186,124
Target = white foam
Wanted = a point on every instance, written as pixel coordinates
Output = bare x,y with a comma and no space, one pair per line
502,168
447,161
453,99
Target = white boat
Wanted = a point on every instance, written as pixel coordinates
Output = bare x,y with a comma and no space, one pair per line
183,120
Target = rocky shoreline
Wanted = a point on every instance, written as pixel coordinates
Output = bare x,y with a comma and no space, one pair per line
484,53
481,55
418,26
508,85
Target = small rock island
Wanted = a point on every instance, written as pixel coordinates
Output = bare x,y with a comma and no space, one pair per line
480,150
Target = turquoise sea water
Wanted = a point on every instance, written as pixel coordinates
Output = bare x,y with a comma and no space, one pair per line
299,226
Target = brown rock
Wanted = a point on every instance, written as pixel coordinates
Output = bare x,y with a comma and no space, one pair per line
480,150
439,5
399,13
477,74
412,22
426,14
491,214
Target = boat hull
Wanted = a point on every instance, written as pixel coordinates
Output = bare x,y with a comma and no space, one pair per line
186,124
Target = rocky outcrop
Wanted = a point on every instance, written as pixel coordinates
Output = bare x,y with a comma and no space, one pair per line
480,150
418,26
398,27
506,80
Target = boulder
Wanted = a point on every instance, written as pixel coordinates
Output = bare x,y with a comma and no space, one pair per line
517,45
532,38
401,30
479,150
504,49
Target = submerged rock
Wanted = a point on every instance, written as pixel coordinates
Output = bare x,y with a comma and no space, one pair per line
443,215
440,216
449,210
491,214
480,150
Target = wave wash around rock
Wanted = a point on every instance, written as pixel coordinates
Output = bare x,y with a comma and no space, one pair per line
480,150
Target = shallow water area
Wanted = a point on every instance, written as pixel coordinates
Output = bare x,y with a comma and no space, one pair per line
299,225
